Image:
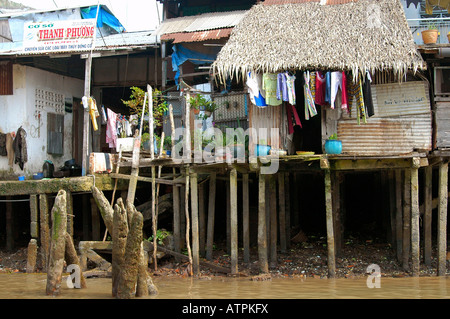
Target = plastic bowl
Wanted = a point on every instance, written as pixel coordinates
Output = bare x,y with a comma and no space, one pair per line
38,175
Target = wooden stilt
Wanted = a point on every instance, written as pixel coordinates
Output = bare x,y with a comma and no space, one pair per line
442,218
95,220
201,218
406,219
282,211
262,232
399,214
70,215
86,216
330,228
183,215
428,209
415,235
245,218
273,221
211,213
194,222
391,186
45,229
9,224
186,211
335,193
176,220
228,220
34,216
31,256
233,221
287,190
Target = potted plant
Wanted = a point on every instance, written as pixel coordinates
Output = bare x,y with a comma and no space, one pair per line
333,145
430,35
197,102
210,107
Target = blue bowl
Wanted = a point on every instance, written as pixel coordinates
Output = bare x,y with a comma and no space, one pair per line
262,150
38,175
21,178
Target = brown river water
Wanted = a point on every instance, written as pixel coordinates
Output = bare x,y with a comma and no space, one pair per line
32,286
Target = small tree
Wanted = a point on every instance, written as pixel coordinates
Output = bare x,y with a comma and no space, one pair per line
136,102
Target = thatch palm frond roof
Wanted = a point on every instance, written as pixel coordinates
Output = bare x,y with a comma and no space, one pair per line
358,36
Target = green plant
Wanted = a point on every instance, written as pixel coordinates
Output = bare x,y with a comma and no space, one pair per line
198,101
161,234
136,102
333,136
431,26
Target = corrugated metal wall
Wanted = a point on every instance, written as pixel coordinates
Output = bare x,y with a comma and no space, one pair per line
402,122
443,124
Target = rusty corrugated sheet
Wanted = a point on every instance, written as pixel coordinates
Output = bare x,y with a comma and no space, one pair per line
275,2
402,122
6,78
442,124
197,36
266,118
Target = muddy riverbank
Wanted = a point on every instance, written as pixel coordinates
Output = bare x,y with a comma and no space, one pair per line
302,260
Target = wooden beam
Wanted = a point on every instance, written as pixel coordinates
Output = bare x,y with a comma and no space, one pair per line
374,164
179,180
233,221
262,232
442,218
211,213
95,220
329,223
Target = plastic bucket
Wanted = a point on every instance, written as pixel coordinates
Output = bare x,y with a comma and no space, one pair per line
333,147
262,150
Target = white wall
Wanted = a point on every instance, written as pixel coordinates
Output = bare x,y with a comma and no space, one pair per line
19,110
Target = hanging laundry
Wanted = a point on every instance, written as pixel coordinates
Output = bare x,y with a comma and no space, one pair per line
20,148
111,129
367,92
269,85
93,112
338,80
10,148
256,93
320,88
290,82
3,151
310,107
328,88
291,112
312,84
355,91
282,89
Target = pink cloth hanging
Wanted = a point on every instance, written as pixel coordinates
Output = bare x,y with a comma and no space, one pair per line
111,129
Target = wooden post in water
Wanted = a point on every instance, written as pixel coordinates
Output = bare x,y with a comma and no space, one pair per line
45,229
245,218
287,190
233,221
399,214
211,213
176,219
427,219
194,216
335,194
57,245
228,218
282,211
406,219
31,256
119,235
186,210
329,221
262,232
415,215
273,221
201,218
442,218
70,254
70,215
34,216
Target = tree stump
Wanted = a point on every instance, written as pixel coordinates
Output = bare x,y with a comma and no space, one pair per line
31,256
119,242
57,245
129,273
104,207
72,259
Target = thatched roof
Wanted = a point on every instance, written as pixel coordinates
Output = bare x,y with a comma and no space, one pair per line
301,36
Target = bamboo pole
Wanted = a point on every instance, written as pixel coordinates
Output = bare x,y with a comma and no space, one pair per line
155,206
